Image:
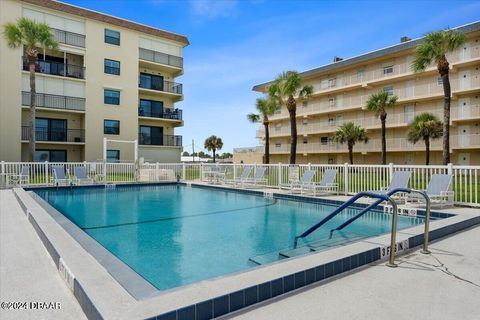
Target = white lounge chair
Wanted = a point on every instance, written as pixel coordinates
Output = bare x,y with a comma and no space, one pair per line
59,177
399,180
81,176
94,172
439,191
258,178
326,185
305,180
214,174
22,178
243,177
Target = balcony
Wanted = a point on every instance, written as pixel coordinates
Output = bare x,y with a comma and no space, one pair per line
56,68
164,140
165,86
70,38
57,136
161,58
168,113
55,102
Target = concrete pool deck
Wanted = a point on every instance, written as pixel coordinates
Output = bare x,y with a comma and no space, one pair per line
380,299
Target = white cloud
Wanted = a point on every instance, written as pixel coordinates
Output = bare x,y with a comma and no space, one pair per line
213,8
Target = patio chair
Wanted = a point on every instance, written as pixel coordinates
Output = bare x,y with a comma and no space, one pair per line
59,177
94,172
438,190
326,185
80,176
305,180
258,178
22,178
243,177
400,179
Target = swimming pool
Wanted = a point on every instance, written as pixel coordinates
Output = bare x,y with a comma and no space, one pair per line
173,235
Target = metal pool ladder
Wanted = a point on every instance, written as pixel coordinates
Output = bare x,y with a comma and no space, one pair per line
381,197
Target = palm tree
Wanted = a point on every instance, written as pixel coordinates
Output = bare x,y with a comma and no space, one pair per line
434,48
213,143
379,103
286,88
265,107
425,126
32,35
350,133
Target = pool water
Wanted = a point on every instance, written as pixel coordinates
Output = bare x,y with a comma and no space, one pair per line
174,235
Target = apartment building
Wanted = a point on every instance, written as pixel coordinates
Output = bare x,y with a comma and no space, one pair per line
342,88
111,78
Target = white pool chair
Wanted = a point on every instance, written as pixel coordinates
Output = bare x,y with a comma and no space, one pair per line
59,177
400,179
20,179
258,178
80,176
325,186
243,177
304,181
439,191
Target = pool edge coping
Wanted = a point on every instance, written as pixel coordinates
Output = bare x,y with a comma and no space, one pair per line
244,297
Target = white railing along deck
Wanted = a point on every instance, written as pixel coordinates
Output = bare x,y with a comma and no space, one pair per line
351,179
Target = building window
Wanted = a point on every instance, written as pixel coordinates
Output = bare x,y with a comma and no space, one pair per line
112,67
151,135
51,155
305,122
439,81
305,140
113,155
331,122
388,89
331,102
323,140
112,37
278,144
150,108
111,127
332,82
150,81
50,129
305,103
111,97
387,70
278,126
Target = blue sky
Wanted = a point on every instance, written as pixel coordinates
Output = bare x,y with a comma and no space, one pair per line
236,44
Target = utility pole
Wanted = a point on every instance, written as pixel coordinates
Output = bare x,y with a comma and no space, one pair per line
193,150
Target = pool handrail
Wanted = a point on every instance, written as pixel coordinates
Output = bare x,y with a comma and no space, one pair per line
382,197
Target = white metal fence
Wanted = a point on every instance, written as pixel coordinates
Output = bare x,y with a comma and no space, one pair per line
350,178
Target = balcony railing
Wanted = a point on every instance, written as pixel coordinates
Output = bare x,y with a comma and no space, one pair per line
46,134
168,113
165,140
70,38
160,57
166,86
54,101
56,68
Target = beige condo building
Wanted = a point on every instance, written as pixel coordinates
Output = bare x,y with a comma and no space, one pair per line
342,88
111,78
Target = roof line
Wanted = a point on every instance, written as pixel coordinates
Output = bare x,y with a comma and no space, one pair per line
470,27
95,15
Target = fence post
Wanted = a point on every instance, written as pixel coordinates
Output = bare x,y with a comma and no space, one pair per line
3,167
201,171
184,175
46,172
390,170
105,171
309,166
234,171
449,168
345,178
279,174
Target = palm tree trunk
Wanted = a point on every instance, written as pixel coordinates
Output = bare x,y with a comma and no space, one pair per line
444,69
427,151
292,110
267,144
383,118
213,155
350,153
33,100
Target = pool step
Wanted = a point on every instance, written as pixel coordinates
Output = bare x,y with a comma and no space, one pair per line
266,258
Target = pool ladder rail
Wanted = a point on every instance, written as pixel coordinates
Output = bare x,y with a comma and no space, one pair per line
381,197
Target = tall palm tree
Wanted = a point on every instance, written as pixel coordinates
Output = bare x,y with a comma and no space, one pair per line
434,49
265,107
286,88
32,35
425,126
379,103
350,134
213,143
